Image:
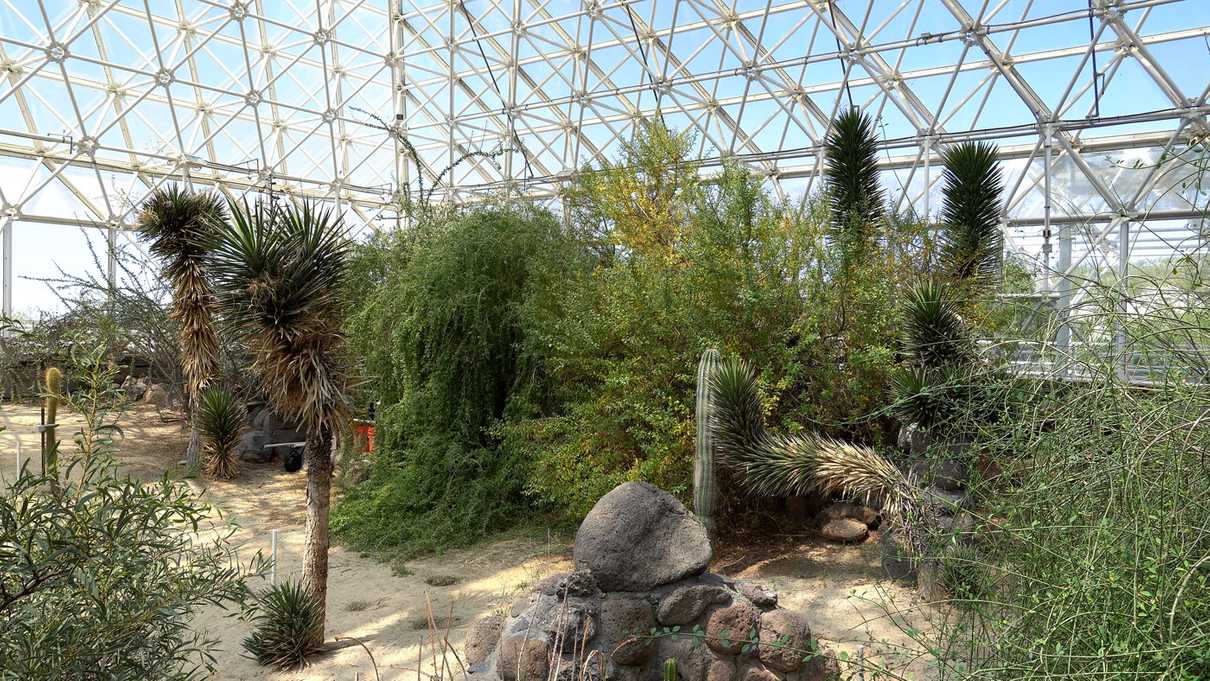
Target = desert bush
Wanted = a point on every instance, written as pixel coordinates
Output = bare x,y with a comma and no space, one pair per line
522,363
284,618
1092,558
102,575
730,267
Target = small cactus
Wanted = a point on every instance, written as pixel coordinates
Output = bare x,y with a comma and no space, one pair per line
703,458
670,669
50,446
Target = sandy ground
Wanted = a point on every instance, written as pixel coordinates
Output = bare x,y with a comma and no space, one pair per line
838,589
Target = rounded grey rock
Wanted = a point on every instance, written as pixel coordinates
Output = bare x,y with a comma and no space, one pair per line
638,537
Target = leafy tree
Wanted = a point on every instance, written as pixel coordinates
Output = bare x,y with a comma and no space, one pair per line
443,342
641,202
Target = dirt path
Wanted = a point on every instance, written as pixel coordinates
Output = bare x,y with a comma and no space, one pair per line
836,588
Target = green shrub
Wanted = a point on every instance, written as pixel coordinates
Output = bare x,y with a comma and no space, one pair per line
1094,550
522,365
739,271
441,340
220,419
285,619
102,575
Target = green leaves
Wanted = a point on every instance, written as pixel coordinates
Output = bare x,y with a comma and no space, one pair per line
288,621
278,272
178,224
102,577
851,172
220,418
935,334
972,239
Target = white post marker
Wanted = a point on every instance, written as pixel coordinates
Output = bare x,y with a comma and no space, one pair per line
273,577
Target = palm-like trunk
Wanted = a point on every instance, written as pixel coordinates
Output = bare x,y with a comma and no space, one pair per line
319,490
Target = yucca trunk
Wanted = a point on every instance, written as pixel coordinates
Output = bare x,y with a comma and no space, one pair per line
193,450
319,496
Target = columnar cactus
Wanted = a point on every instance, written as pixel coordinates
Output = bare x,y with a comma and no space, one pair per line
670,669
703,459
50,446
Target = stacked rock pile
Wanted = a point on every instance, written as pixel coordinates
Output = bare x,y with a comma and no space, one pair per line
640,595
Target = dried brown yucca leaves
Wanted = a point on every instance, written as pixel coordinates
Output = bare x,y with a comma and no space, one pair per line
774,464
177,225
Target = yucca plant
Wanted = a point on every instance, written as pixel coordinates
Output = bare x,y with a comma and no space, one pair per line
777,464
972,238
284,619
278,271
178,224
220,417
851,172
926,397
935,334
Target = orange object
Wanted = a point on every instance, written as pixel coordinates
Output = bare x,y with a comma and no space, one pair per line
363,436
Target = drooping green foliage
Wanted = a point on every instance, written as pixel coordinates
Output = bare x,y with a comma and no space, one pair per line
851,172
972,237
283,618
220,418
443,342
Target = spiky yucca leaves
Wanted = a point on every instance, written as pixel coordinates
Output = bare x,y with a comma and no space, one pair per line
935,333
278,272
774,464
283,620
220,417
972,239
177,224
926,397
851,152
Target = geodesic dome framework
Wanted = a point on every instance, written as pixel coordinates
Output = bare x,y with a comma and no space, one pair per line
1093,104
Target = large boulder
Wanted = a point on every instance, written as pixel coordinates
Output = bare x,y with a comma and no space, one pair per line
625,621
862,514
595,623
251,447
157,395
638,537
522,659
483,637
687,603
731,628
